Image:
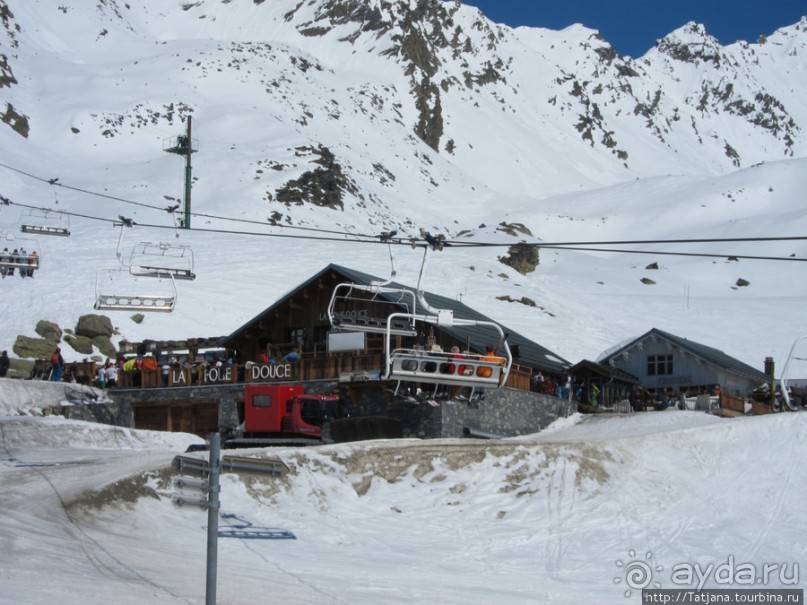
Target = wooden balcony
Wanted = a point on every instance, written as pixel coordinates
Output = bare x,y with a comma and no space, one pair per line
306,369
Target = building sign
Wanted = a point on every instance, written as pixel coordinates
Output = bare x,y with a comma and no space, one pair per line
268,372
215,375
229,374
671,381
180,377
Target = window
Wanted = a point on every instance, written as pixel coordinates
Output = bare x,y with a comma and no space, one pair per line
298,336
310,413
659,365
261,401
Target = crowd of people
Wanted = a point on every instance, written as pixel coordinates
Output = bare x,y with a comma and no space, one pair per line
586,392
18,259
129,370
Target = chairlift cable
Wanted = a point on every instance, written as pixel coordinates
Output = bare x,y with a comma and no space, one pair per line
711,240
573,245
55,182
696,254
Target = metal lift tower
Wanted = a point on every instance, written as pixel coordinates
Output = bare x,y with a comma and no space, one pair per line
184,145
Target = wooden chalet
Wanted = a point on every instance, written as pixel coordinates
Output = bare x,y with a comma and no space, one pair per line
300,320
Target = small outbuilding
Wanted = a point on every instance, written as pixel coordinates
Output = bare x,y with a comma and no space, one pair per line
664,362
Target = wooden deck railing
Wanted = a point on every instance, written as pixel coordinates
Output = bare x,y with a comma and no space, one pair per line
319,368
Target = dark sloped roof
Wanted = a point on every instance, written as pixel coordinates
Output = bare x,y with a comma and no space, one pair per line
708,354
529,353
605,370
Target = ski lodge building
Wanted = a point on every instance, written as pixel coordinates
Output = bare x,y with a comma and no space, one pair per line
300,320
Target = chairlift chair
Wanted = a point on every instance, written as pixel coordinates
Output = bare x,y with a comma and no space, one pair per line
30,259
116,290
155,260
440,368
371,311
445,368
345,310
785,371
45,222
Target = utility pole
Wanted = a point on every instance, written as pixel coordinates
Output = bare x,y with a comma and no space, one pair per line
183,145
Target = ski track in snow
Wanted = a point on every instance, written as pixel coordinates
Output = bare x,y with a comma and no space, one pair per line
555,517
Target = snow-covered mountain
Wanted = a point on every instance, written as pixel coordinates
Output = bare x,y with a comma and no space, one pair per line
320,125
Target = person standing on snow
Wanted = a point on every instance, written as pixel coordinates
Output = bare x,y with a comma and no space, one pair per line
111,375
592,395
56,364
4,364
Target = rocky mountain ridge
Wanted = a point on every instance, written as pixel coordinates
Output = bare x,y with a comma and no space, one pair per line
347,119
688,96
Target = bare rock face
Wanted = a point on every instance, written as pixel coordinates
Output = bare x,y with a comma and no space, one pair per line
92,332
49,331
33,348
92,326
80,344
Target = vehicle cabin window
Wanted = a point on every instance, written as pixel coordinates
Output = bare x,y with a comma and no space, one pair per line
310,413
261,401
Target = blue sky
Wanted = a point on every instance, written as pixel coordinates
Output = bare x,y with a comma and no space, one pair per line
633,26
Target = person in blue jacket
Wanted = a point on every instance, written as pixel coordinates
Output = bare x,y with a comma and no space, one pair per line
292,355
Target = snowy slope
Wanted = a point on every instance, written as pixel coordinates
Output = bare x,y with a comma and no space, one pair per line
435,119
569,516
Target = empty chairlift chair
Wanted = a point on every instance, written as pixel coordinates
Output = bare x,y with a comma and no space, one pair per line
45,222
119,290
161,259
372,308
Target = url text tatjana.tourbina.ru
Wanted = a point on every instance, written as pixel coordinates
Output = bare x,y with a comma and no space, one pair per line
726,596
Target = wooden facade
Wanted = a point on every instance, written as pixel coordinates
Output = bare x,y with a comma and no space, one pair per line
300,321
614,384
199,417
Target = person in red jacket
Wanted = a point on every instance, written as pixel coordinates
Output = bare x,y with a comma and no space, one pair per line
56,364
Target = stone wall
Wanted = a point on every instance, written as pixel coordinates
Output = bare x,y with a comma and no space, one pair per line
107,412
501,412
